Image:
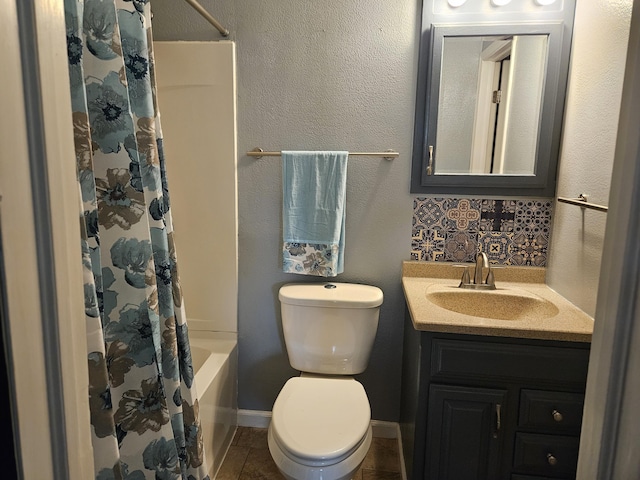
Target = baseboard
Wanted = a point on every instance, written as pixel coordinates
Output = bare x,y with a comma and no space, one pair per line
254,418
261,419
384,429
403,468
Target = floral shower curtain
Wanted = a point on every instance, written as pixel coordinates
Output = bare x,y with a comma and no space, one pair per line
144,412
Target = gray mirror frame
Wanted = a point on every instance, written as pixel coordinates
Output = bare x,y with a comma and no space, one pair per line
543,182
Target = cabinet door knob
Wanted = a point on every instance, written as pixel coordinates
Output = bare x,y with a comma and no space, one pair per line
557,416
552,459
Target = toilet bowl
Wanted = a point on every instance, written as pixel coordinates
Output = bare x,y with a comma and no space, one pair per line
320,425
320,428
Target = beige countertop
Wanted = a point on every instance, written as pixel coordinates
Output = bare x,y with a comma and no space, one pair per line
562,320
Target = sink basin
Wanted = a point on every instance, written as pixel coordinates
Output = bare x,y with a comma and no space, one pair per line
522,306
500,304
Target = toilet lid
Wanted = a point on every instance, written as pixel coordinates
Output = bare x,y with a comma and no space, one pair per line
318,418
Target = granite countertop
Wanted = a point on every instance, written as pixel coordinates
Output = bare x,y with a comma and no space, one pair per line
562,320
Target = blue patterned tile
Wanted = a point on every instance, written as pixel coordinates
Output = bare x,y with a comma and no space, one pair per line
497,245
428,245
533,217
497,215
417,242
463,214
510,232
460,246
529,250
429,212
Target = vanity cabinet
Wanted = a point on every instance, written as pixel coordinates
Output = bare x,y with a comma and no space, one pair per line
463,426
488,408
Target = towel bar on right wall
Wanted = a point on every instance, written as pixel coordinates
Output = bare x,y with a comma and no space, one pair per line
582,202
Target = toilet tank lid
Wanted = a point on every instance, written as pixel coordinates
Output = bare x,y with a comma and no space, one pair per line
331,295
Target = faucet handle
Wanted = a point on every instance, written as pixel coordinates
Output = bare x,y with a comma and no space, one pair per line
466,277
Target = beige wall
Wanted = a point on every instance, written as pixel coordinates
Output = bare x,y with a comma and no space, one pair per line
591,120
197,98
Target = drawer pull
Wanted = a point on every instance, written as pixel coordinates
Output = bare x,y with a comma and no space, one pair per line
557,416
552,459
498,420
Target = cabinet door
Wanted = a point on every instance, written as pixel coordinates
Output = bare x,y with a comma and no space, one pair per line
464,433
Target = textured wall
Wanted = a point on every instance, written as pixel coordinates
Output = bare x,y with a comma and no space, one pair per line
591,121
340,75
317,75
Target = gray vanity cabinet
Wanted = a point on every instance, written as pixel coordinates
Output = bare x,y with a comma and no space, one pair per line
491,408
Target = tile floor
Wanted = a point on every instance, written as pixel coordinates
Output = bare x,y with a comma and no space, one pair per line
249,458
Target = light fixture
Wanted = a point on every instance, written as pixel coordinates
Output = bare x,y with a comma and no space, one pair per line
456,3
500,3
545,2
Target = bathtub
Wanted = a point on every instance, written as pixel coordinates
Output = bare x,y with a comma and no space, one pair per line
215,361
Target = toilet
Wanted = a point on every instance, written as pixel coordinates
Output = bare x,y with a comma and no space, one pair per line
320,425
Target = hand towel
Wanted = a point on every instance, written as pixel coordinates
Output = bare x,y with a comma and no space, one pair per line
313,214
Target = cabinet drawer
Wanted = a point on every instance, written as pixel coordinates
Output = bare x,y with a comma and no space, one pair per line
549,455
508,362
557,412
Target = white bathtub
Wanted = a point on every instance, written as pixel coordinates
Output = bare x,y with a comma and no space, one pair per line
215,361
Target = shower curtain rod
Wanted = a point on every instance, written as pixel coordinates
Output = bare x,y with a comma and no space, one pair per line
208,17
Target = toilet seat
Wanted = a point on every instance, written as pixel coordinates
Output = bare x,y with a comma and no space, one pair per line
320,421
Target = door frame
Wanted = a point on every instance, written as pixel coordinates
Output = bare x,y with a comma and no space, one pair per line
609,447
45,327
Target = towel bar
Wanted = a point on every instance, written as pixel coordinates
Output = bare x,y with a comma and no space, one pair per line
388,155
582,202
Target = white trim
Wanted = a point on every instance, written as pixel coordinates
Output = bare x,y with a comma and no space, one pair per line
403,468
608,444
18,239
25,317
65,203
382,429
254,418
262,419
482,127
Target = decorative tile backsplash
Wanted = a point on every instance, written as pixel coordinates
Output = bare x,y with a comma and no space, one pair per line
510,232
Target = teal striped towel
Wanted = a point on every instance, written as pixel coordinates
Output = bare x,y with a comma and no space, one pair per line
313,213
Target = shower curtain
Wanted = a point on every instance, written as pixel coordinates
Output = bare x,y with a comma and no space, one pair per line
144,412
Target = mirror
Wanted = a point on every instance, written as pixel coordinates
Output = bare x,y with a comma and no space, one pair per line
489,104
489,108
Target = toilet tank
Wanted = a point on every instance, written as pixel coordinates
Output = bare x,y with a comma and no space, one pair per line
329,328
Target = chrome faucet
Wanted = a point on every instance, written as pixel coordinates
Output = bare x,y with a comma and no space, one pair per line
478,283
